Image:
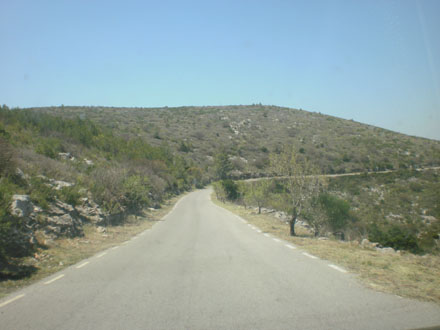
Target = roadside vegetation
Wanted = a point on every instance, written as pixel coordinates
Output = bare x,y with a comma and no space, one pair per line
63,252
404,274
51,159
399,210
126,160
249,133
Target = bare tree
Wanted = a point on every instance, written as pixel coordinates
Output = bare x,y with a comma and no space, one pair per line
301,180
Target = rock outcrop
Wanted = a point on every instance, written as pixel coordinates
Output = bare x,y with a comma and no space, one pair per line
21,238
63,220
21,206
91,212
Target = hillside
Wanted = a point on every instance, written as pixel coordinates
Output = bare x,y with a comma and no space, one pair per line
59,174
69,166
249,133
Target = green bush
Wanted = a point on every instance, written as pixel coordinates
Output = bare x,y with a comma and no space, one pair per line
399,237
231,189
49,147
136,191
70,195
337,211
41,192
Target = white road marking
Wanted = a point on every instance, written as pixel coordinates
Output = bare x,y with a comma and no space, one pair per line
82,265
258,230
309,255
290,246
342,270
115,247
101,255
126,242
135,237
250,225
267,235
276,240
54,279
11,300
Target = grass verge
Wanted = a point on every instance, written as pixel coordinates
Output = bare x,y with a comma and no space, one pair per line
65,252
406,275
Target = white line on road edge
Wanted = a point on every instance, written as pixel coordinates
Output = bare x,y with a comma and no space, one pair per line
134,237
290,246
258,230
276,240
267,235
11,300
101,255
115,247
309,255
54,279
342,270
82,265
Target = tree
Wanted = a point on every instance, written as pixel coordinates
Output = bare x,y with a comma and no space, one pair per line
337,210
231,189
222,166
219,191
316,216
328,211
6,158
301,180
258,193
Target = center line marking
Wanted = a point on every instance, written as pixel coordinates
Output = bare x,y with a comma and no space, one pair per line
309,255
290,246
342,270
82,265
11,300
276,239
101,255
54,279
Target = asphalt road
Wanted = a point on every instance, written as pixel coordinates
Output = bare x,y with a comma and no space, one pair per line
205,268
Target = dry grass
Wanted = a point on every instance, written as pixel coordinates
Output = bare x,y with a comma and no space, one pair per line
406,275
62,253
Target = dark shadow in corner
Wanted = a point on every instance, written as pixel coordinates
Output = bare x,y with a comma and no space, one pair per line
10,271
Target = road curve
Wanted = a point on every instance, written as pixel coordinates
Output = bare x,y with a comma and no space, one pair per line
205,268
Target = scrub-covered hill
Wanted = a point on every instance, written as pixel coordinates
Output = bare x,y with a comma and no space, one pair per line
249,133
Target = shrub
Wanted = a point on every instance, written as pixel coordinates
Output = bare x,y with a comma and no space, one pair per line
70,195
399,237
231,189
41,192
6,158
337,211
136,191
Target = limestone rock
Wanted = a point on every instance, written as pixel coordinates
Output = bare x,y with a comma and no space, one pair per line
386,250
91,212
21,206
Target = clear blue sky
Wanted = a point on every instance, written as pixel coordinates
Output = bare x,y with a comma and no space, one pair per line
376,62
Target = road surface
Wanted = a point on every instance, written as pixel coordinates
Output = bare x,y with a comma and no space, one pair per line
205,268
